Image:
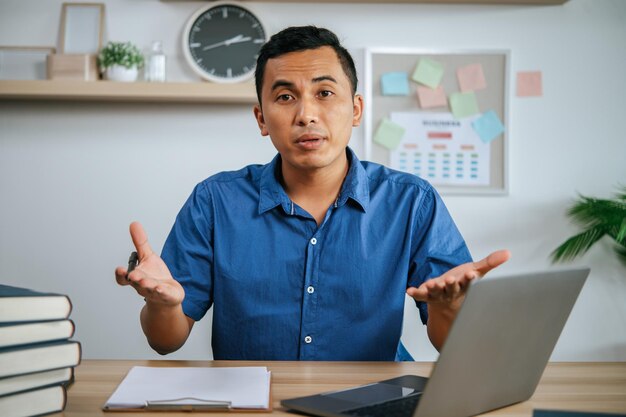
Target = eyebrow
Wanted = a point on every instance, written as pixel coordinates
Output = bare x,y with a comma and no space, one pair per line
289,84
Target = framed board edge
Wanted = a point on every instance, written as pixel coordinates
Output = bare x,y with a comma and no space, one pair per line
43,50
468,190
63,29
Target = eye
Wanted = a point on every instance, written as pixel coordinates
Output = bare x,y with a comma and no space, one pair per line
326,93
284,97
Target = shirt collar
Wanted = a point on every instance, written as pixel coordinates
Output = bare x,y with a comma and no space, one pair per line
355,186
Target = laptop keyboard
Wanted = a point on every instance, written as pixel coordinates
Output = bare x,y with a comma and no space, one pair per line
402,407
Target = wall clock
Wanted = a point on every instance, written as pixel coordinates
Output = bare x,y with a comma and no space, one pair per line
221,42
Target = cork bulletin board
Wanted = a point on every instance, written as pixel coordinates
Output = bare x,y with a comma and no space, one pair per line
422,129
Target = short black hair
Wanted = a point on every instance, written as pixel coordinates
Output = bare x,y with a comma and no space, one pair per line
301,38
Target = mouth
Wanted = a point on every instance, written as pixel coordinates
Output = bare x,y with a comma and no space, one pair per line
309,141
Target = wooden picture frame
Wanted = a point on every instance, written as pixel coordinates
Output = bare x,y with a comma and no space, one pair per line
82,27
24,62
491,163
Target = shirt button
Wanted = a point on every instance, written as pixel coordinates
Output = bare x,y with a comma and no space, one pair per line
310,290
308,339
313,241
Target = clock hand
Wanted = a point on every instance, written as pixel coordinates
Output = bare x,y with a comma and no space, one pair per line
236,39
239,39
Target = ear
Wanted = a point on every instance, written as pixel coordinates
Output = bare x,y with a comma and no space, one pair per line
357,110
258,115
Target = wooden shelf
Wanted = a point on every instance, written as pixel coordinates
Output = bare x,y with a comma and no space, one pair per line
170,92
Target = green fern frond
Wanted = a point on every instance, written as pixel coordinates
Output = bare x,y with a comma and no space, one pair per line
576,245
590,212
621,253
620,236
597,217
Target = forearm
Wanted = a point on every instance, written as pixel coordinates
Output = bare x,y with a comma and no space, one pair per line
165,327
440,319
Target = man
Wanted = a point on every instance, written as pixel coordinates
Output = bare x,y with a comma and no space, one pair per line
308,257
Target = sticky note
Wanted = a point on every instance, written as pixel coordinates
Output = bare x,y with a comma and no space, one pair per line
488,126
463,104
529,84
471,78
428,72
394,84
431,97
389,134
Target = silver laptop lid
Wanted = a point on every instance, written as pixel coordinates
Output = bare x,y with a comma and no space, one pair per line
500,342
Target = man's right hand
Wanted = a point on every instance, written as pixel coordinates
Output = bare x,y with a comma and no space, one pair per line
151,278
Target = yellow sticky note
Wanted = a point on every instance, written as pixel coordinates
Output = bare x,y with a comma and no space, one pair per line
389,134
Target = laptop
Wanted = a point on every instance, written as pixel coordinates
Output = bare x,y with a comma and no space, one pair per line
494,355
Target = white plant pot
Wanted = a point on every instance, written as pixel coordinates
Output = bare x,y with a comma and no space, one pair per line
120,73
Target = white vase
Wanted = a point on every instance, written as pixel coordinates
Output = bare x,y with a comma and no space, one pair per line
121,73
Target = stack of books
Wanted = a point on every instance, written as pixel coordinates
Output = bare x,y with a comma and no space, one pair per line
37,359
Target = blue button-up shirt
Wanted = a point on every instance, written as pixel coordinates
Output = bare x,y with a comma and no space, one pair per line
284,288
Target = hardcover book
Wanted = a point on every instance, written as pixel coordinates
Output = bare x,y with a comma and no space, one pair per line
33,403
15,334
19,383
39,357
21,305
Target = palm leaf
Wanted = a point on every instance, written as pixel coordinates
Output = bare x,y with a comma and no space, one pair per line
597,217
577,245
591,212
621,253
620,236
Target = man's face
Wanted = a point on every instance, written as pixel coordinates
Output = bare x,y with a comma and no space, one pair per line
308,109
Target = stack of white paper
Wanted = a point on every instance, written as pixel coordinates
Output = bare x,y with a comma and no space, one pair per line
190,388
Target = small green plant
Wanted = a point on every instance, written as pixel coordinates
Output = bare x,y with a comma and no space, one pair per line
597,217
120,53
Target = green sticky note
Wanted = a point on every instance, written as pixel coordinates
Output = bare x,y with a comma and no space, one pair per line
428,72
463,104
389,134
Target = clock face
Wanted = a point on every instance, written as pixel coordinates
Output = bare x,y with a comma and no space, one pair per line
222,42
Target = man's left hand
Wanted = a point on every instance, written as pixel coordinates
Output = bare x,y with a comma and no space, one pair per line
449,289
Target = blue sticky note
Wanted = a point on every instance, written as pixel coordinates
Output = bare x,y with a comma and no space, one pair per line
395,84
488,126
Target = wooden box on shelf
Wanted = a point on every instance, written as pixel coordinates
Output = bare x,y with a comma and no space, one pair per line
72,67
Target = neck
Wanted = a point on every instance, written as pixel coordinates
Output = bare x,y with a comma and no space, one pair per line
315,190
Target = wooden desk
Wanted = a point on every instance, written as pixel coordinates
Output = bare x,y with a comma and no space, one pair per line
599,387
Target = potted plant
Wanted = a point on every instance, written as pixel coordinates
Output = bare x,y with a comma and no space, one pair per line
598,218
120,61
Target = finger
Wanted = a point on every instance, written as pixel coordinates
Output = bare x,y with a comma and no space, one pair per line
492,261
120,275
418,294
436,289
452,289
156,292
140,240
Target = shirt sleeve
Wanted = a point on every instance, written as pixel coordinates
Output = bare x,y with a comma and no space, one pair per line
436,246
188,252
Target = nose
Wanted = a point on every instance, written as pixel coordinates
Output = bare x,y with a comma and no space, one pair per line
307,112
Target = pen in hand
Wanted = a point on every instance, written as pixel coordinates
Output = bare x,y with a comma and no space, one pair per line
133,260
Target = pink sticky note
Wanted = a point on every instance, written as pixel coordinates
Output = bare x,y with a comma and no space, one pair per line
431,97
471,78
529,84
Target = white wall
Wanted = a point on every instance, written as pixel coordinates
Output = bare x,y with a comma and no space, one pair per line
73,175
